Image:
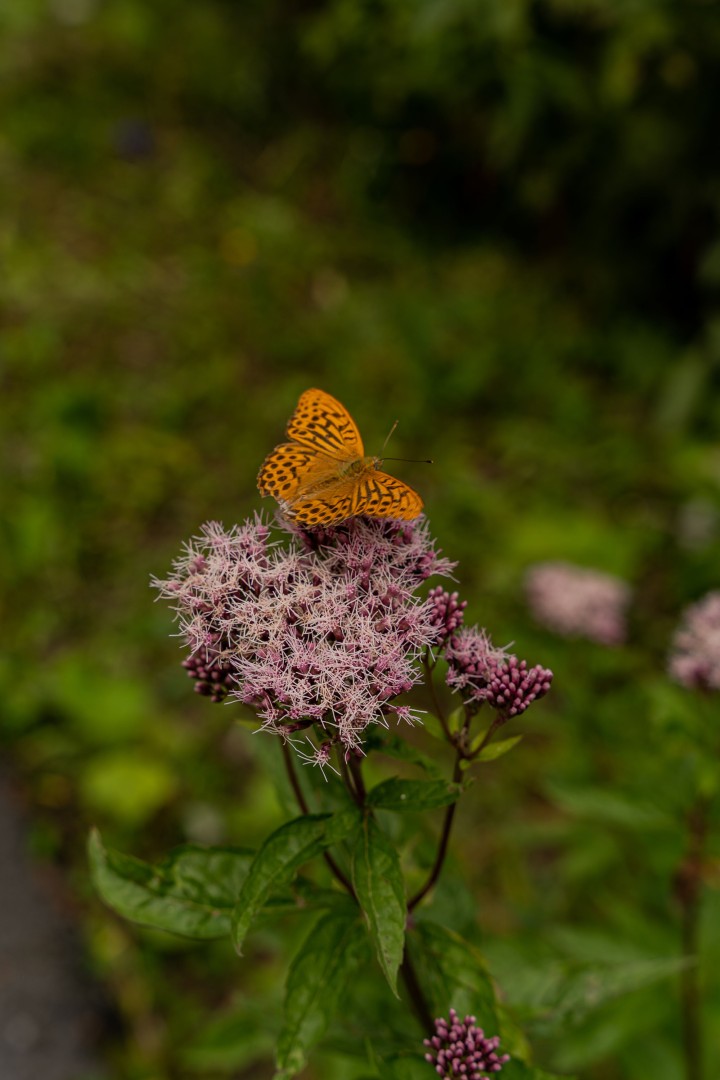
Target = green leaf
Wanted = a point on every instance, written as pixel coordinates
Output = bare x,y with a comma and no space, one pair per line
127,785
456,719
192,893
401,749
608,807
413,794
378,883
318,976
453,973
494,750
233,1041
405,1067
432,725
283,852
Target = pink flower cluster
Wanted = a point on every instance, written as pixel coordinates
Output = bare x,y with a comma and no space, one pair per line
459,1049
577,602
695,657
324,629
484,673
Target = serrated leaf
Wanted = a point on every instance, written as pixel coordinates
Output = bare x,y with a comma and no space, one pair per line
288,848
380,890
192,893
452,972
494,750
404,795
318,975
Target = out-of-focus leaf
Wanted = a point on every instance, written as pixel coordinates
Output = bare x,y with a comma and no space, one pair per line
453,974
127,785
600,804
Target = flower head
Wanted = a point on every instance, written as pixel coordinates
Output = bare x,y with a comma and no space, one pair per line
460,1049
324,629
488,674
577,602
695,657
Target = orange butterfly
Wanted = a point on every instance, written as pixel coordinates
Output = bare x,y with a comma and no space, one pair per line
322,476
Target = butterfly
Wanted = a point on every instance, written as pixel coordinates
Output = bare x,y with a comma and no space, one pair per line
322,475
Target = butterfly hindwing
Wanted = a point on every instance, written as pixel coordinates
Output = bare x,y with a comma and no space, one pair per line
380,495
321,422
326,511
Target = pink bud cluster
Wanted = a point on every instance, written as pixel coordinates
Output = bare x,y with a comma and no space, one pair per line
460,1049
447,612
321,629
484,673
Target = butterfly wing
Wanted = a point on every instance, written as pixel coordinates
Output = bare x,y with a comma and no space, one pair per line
322,423
328,510
283,470
377,494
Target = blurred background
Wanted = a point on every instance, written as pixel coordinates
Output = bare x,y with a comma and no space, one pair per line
493,220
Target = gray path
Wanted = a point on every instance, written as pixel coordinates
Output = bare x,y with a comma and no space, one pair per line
48,1015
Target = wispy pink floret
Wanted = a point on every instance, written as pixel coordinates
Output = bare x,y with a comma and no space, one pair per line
578,602
695,656
460,1049
323,629
484,673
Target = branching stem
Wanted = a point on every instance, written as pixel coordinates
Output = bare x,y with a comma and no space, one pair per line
302,803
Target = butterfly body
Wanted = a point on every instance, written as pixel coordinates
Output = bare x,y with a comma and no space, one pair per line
323,475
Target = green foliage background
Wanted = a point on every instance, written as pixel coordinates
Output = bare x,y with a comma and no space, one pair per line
495,221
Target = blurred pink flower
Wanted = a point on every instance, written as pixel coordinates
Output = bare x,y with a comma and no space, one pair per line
695,655
578,602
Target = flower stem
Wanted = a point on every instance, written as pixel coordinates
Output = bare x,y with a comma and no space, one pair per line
439,711
688,883
293,778
417,998
302,803
443,845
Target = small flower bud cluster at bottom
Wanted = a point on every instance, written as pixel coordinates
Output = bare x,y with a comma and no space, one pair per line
459,1048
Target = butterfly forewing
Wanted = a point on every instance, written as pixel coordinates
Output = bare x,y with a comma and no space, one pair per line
282,471
321,422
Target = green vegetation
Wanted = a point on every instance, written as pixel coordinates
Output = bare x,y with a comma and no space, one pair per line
495,221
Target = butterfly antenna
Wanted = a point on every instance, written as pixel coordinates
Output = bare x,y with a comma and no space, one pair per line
417,460
390,434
